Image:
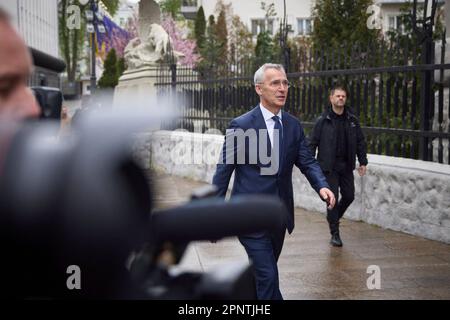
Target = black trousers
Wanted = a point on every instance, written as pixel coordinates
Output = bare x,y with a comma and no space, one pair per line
263,250
340,179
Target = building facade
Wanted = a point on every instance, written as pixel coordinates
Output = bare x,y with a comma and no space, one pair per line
37,23
298,14
126,11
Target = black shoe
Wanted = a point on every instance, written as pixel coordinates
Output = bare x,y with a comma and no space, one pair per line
336,240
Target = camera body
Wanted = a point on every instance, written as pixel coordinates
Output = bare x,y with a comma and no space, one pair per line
50,101
85,202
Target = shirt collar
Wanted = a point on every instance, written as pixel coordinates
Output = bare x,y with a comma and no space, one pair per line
267,114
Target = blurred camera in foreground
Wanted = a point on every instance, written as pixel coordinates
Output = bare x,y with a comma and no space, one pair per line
85,202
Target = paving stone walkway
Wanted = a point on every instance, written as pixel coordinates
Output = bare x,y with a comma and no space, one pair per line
411,267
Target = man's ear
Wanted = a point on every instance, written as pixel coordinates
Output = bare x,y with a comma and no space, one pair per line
258,89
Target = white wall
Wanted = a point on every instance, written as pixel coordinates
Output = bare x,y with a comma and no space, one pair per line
37,22
406,195
251,9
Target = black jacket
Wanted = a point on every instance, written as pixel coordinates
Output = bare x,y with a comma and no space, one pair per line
323,136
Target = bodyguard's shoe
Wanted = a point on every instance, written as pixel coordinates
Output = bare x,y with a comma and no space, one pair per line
336,240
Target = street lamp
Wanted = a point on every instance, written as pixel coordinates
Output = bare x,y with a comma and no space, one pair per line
423,29
284,30
94,21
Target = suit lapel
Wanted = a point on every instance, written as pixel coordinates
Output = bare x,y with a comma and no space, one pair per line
258,119
287,135
258,123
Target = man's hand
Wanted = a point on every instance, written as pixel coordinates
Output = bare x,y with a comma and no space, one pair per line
328,196
362,170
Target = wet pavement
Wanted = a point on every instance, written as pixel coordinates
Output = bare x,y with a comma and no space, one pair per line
310,268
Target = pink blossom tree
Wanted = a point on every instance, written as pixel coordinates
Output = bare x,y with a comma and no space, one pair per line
132,25
180,42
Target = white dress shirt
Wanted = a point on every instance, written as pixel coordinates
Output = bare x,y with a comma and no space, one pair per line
270,123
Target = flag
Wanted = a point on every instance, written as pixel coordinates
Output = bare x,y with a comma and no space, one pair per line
114,37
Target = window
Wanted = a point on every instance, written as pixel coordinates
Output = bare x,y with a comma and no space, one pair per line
261,25
396,23
304,26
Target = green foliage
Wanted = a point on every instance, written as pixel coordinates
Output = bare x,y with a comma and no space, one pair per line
171,7
300,48
110,75
241,41
200,27
342,25
121,67
264,50
210,52
222,38
269,9
405,41
111,5
72,40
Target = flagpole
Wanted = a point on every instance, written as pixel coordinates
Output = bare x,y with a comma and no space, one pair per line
93,64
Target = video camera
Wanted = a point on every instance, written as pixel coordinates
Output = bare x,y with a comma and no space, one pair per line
85,203
50,101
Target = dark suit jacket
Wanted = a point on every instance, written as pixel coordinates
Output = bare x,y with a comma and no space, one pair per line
248,178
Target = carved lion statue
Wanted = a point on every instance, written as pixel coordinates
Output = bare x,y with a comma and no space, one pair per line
140,53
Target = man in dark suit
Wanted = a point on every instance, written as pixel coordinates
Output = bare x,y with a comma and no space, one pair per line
338,136
261,148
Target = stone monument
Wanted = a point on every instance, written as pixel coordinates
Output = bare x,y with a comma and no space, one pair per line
444,126
143,55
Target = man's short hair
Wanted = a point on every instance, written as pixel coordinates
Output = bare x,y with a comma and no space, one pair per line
339,87
259,74
4,16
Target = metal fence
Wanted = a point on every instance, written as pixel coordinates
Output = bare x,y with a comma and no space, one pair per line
401,100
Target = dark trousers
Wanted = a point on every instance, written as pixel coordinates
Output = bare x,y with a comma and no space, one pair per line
340,179
263,250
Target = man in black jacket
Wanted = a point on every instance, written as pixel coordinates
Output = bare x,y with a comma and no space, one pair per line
339,138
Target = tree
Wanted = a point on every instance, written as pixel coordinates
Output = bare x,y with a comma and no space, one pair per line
342,25
264,51
171,7
269,9
110,76
241,43
404,41
222,38
132,25
179,41
111,5
210,52
72,39
200,27
121,67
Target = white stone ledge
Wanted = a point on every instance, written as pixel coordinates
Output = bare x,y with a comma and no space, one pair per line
405,195
402,163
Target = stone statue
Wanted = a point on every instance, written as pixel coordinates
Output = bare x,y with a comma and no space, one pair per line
149,13
152,49
152,45
445,124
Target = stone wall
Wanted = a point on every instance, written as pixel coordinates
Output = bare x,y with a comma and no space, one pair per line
406,195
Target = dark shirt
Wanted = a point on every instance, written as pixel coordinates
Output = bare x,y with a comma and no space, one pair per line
341,137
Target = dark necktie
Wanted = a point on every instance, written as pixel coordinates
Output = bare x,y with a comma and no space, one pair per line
278,127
